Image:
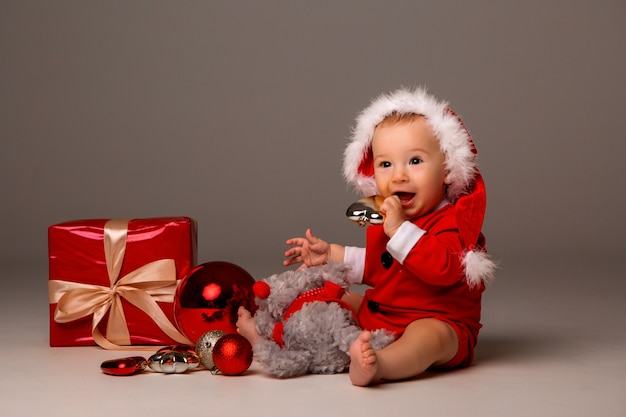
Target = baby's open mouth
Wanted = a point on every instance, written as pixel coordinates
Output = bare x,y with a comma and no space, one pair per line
405,197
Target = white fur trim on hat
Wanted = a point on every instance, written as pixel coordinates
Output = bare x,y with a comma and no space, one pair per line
454,139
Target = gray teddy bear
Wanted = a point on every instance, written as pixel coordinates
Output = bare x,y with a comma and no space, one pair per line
304,325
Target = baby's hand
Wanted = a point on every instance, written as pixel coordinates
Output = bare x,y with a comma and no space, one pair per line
394,215
309,250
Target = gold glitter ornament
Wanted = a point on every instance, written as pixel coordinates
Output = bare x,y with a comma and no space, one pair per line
205,345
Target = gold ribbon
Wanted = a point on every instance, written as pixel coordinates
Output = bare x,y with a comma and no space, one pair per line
143,287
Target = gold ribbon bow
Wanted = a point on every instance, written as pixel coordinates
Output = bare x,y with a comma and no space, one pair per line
143,287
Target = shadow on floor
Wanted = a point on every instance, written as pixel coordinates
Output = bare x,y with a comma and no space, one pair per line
521,347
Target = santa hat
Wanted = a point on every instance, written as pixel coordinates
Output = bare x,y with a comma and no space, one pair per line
466,189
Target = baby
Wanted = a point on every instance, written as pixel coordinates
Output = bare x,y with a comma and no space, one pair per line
426,264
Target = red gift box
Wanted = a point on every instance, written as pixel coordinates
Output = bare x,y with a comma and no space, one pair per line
112,282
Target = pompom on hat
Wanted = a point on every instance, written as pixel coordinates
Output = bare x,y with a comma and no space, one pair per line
466,189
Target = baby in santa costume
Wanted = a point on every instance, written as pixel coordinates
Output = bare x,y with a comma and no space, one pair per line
427,263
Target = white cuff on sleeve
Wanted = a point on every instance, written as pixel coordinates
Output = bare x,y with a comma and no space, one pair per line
404,240
355,257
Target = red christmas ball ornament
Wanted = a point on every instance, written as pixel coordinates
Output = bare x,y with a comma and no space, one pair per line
209,297
232,354
124,366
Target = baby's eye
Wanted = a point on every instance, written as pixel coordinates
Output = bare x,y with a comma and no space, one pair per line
385,164
416,161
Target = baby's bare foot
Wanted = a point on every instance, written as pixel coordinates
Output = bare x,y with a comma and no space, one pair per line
246,325
363,360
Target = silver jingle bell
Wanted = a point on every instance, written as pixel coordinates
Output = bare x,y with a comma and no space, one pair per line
174,363
366,210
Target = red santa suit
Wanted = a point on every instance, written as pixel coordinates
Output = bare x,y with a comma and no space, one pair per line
426,282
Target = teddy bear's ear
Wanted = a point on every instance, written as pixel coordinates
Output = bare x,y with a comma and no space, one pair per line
261,289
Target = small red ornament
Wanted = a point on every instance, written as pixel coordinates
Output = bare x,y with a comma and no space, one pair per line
209,297
124,366
232,354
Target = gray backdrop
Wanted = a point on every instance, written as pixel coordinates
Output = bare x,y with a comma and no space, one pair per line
236,113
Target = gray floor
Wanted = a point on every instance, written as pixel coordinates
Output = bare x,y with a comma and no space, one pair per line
553,345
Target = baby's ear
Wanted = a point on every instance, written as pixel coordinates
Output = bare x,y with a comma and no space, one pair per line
448,179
